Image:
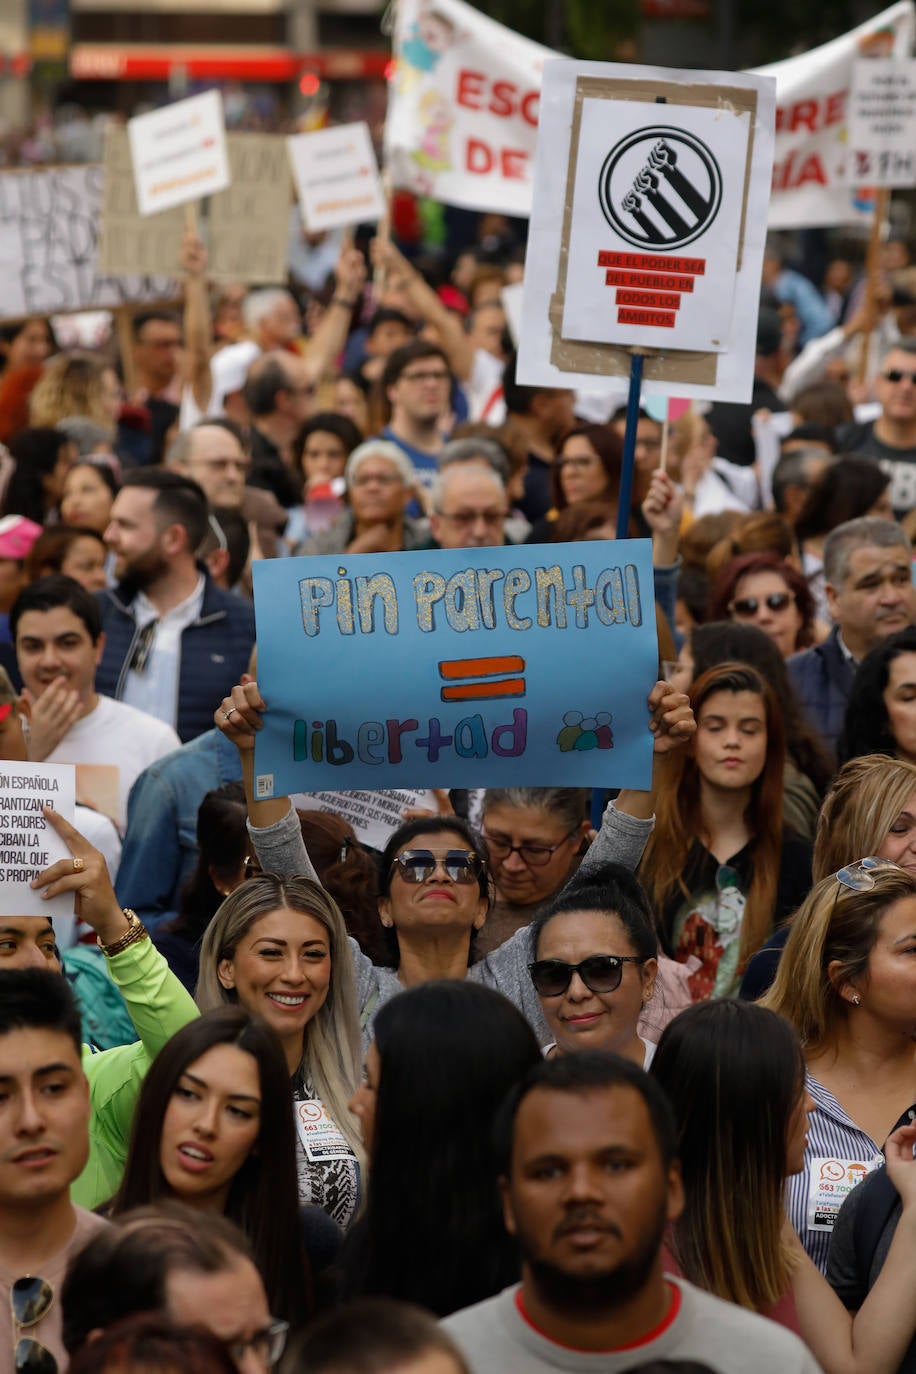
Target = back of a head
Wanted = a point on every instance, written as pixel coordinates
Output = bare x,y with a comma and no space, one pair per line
372,1336
483,1039
847,490
729,1068
125,1269
266,377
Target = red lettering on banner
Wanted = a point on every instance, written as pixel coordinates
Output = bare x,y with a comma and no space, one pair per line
649,262
470,84
502,99
480,158
652,299
811,115
655,319
648,281
795,171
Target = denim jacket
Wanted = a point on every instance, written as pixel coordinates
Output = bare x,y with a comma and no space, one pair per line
160,844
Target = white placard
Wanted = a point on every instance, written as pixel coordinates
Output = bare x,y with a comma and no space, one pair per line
735,366
337,177
179,152
882,122
374,816
28,843
656,220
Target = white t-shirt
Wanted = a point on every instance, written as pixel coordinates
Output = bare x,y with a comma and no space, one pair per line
116,737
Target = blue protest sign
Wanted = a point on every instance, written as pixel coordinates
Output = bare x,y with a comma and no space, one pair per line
457,668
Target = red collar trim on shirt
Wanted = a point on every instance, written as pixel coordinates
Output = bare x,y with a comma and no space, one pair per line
667,1320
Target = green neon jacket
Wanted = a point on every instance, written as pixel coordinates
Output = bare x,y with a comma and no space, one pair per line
159,1006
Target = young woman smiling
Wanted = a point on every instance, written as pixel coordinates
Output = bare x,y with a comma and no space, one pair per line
213,1130
278,948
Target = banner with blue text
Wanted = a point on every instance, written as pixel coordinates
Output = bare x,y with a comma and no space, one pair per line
485,667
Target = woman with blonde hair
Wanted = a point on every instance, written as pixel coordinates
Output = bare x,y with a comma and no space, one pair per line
76,384
278,948
870,809
847,983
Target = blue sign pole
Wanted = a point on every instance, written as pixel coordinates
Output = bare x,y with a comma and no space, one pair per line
629,447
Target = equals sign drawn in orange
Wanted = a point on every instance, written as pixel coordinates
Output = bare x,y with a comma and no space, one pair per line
496,672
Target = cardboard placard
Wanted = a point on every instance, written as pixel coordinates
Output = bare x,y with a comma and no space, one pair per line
179,152
882,122
548,356
337,177
527,665
246,229
49,261
28,843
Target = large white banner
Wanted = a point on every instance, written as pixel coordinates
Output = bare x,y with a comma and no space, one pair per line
812,176
463,107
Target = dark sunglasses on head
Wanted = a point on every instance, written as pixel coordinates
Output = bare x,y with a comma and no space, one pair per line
417,865
31,1299
897,374
749,605
599,973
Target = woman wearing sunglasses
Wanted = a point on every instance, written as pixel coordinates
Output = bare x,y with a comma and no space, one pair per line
213,1129
533,836
279,948
741,1068
720,869
434,886
595,963
847,983
762,590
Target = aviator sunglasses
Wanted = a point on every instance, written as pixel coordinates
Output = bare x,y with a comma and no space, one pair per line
417,865
31,1298
599,973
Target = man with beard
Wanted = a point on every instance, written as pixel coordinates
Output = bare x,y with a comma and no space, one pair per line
174,641
590,1181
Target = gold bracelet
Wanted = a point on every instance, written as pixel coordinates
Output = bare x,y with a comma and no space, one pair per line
136,931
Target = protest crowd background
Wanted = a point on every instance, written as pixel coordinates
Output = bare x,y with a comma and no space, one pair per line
469,1078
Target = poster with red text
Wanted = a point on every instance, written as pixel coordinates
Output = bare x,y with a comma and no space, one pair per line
463,107
813,176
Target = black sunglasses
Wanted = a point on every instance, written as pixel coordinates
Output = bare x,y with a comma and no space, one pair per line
749,605
599,973
417,865
31,1299
897,374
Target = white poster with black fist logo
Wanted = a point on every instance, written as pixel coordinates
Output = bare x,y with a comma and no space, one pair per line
656,225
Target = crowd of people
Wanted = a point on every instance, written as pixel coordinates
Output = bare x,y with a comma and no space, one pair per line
552,1080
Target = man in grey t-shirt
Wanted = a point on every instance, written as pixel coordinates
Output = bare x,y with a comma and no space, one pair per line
590,1182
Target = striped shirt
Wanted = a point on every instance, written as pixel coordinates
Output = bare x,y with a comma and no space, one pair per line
832,1134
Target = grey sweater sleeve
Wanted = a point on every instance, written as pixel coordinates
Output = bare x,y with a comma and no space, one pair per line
281,849
621,840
